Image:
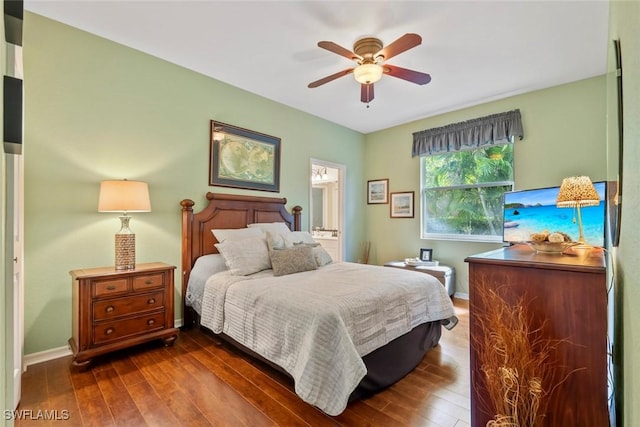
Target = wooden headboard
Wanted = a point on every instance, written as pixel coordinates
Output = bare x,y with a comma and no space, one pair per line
225,211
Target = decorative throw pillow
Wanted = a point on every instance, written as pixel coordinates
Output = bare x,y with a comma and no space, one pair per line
272,227
292,260
246,256
236,233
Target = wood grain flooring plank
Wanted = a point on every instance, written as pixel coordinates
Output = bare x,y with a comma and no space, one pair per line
95,411
155,412
128,371
225,394
260,377
123,408
173,397
272,409
216,412
61,394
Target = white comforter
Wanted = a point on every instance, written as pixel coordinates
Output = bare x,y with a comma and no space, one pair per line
317,325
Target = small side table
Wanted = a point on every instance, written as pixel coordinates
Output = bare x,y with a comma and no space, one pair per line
114,309
445,274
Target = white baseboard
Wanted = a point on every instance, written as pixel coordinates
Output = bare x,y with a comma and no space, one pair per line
44,356
56,353
461,295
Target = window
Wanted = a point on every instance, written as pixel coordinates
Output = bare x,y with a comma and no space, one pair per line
462,193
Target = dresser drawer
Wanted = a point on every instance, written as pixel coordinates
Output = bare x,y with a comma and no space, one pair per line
112,331
102,288
141,283
109,309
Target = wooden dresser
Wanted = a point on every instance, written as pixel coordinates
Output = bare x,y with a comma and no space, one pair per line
117,309
569,292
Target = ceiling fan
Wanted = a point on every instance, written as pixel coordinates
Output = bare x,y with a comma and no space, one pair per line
370,55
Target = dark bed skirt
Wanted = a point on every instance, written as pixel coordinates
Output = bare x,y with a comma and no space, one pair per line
385,365
390,363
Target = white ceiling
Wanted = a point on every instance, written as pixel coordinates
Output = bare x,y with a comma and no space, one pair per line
475,51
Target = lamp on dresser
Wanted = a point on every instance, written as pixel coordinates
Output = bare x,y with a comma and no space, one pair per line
124,196
576,192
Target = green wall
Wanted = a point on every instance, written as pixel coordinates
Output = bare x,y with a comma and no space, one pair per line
625,17
565,134
97,110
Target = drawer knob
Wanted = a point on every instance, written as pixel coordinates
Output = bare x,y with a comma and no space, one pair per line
109,309
148,282
111,287
151,301
150,322
109,331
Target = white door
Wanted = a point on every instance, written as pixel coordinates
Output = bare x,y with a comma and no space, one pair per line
15,296
326,206
14,262
14,279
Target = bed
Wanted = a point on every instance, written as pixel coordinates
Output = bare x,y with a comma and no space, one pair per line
342,331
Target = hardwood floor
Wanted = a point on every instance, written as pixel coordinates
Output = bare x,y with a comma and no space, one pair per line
202,381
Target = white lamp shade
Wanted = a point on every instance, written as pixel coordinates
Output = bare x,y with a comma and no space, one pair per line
367,73
124,196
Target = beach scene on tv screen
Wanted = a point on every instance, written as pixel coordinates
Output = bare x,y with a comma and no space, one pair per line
533,211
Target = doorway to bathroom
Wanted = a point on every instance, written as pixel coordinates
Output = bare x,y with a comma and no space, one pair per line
327,206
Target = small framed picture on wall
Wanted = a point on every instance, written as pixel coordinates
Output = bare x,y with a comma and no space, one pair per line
378,191
402,205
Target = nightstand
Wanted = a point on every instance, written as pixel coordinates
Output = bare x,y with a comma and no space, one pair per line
445,274
114,309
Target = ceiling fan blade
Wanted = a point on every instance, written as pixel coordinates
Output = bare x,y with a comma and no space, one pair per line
332,47
402,44
330,78
408,75
366,92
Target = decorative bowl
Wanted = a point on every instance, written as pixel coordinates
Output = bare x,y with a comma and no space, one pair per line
551,247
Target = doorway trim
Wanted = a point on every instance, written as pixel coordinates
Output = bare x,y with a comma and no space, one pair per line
342,178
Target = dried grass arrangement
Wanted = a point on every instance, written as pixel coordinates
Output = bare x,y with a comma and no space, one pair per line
515,360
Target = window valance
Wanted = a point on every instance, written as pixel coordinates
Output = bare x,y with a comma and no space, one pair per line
489,130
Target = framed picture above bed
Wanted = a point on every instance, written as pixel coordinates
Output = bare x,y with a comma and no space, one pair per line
241,158
402,205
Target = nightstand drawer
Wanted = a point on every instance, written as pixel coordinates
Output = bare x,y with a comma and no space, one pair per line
103,288
141,283
113,331
110,309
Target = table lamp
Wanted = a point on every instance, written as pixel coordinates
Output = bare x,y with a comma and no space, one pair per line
577,191
124,196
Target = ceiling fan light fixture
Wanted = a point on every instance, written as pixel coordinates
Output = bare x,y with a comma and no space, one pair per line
368,73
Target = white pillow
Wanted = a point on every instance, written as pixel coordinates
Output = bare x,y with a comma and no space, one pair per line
205,267
277,241
235,233
299,237
246,256
272,227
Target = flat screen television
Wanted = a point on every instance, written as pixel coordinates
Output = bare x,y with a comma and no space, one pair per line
533,211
